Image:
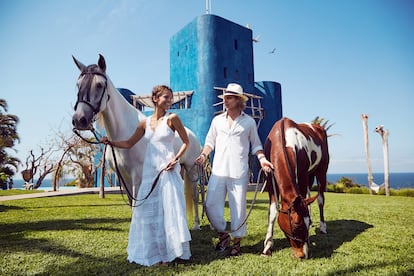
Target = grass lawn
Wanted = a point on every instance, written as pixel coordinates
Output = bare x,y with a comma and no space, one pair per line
18,192
86,235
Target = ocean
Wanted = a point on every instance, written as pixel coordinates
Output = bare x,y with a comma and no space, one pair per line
397,180
46,184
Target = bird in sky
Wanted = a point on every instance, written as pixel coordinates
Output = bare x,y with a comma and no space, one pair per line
273,51
256,39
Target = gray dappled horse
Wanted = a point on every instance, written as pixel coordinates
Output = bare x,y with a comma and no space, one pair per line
97,96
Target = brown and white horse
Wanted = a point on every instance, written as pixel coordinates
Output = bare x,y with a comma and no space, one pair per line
299,153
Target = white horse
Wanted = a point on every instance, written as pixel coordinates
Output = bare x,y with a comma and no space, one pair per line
98,96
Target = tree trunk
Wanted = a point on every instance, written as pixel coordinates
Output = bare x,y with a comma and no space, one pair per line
364,118
386,162
43,175
58,168
384,135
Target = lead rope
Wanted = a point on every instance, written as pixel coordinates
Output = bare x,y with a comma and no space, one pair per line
118,172
274,191
203,182
250,209
129,193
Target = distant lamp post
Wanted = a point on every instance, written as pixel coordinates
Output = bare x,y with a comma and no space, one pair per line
384,135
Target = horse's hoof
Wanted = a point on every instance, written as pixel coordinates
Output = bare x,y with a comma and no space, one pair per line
322,228
266,254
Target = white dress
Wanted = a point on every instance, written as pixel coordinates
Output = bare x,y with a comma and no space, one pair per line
159,230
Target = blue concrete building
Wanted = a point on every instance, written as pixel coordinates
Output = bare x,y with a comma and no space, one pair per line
206,55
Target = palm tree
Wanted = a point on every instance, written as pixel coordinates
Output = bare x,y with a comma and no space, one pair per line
8,138
322,122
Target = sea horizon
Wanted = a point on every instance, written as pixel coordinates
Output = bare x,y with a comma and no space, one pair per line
399,180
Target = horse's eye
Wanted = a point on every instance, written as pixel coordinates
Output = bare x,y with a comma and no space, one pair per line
99,85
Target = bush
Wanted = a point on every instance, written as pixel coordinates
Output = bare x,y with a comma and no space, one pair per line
402,192
330,188
340,187
405,192
347,182
358,190
72,183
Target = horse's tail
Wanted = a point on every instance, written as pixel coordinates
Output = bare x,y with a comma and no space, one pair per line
188,193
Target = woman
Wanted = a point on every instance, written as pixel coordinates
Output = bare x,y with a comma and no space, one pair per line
159,232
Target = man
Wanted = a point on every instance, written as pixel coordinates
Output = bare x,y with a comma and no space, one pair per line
231,135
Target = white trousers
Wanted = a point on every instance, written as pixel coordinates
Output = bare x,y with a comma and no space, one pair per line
218,188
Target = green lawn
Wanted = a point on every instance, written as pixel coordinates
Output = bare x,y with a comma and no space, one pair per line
18,192
86,235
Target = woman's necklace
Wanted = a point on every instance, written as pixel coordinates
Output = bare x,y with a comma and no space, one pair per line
154,122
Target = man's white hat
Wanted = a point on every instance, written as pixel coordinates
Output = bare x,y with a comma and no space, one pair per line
234,89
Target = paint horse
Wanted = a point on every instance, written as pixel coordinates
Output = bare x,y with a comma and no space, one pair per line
299,153
97,96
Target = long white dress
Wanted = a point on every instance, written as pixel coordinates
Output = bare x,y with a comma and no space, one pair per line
159,230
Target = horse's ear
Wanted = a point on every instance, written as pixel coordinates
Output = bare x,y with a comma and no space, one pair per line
79,64
101,63
309,200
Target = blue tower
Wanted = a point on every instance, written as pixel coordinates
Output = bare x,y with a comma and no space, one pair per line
206,55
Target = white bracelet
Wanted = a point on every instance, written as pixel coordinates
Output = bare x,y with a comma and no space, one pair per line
261,157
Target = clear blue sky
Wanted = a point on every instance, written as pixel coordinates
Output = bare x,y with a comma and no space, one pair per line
334,59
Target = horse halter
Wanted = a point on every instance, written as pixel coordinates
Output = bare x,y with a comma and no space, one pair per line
288,213
87,100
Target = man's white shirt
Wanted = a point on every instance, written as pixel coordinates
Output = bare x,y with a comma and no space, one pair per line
231,145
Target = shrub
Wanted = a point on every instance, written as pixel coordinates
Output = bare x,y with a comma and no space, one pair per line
340,187
330,188
347,182
72,183
402,192
358,190
406,192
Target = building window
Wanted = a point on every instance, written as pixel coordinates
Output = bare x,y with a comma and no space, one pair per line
236,74
235,44
225,72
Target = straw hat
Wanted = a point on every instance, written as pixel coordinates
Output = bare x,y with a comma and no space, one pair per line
234,89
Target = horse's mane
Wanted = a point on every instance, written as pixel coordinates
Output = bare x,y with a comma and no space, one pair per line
100,120
113,89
